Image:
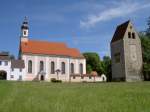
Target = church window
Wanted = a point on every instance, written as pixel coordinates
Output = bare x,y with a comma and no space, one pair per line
63,71
6,63
41,66
130,27
129,34
11,76
29,66
72,68
20,77
117,57
81,68
12,69
20,69
133,35
52,67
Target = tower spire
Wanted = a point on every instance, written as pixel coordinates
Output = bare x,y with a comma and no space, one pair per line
24,30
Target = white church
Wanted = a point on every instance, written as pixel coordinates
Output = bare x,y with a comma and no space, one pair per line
42,60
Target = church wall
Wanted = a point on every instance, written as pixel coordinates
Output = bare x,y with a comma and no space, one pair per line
26,58
16,74
47,67
6,68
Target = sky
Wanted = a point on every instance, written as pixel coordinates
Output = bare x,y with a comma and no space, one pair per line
87,25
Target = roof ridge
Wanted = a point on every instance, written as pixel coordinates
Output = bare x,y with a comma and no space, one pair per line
126,22
46,41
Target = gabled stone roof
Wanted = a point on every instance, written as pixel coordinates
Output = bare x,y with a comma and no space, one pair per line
120,31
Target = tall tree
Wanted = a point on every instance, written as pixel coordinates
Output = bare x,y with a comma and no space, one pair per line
106,65
148,29
93,62
145,41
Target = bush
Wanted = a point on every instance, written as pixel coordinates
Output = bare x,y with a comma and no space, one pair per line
55,81
84,82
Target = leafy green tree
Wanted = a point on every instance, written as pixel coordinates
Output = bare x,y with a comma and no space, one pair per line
93,62
12,57
88,68
106,65
148,29
145,42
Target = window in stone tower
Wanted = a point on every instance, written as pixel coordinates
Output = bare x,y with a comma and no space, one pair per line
130,27
133,35
129,34
117,57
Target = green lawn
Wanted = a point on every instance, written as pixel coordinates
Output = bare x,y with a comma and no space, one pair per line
74,97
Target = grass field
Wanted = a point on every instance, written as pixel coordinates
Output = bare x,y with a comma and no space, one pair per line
74,97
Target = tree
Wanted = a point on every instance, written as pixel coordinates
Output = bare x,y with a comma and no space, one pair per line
145,42
148,29
93,62
12,57
106,65
88,68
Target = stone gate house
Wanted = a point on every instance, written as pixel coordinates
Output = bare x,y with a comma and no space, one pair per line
11,69
126,54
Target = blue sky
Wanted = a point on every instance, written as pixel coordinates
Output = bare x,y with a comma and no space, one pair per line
84,24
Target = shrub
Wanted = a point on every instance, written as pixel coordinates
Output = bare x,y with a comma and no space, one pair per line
55,81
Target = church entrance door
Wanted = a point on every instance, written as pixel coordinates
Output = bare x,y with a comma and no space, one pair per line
42,77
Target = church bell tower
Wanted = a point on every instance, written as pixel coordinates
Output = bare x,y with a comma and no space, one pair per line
24,30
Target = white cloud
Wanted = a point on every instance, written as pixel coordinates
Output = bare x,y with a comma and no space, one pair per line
118,10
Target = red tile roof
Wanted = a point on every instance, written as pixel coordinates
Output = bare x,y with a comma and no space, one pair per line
49,48
120,31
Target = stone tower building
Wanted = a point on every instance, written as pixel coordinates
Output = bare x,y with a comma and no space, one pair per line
126,54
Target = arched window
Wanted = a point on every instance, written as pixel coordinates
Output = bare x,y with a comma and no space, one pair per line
41,65
72,68
63,68
29,66
81,68
52,67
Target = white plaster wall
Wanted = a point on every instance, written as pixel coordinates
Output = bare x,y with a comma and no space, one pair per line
16,73
6,68
76,63
29,76
47,68
87,79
